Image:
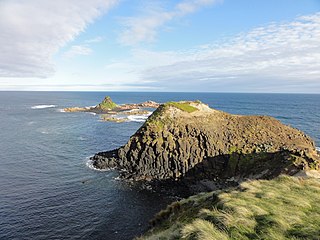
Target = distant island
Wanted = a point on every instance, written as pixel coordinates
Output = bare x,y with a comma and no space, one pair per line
189,143
110,111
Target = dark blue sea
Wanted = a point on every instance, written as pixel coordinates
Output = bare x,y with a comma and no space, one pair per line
48,192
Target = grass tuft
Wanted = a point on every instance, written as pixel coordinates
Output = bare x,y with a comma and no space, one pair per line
202,229
282,208
183,106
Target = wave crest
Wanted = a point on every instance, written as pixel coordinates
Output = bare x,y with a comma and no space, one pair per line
138,118
43,106
89,164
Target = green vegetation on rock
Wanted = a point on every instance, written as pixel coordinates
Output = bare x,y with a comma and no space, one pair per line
159,117
107,104
183,106
282,208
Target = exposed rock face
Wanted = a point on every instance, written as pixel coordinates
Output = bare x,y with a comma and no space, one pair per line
189,139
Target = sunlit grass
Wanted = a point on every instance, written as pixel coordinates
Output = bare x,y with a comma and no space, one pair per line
183,106
283,208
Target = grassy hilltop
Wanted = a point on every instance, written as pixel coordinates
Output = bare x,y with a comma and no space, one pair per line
282,208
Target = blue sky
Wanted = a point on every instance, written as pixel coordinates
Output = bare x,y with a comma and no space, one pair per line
183,45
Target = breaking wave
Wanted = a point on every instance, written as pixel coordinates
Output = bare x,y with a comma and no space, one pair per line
139,118
43,106
89,164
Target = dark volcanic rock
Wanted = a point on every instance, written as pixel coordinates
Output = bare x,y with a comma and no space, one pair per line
191,140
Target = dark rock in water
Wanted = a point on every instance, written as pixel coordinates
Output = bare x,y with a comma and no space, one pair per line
189,140
104,160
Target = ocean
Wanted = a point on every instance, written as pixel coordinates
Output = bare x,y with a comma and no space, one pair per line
47,190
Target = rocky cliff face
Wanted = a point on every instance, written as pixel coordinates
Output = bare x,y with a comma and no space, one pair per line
189,139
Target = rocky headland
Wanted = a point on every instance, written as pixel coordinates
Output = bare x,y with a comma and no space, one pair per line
244,160
190,140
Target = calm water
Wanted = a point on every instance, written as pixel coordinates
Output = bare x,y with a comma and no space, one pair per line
43,154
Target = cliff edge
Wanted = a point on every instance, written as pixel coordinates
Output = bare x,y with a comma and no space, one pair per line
188,139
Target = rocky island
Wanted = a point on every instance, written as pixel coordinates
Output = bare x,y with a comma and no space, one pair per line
189,139
110,111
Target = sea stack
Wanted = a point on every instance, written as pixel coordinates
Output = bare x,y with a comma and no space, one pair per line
106,105
188,139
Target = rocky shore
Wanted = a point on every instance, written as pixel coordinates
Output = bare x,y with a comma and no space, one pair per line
112,112
189,140
107,106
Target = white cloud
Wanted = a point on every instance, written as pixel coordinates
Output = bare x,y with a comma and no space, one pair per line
95,40
144,28
78,87
77,50
281,54
33,31
82,49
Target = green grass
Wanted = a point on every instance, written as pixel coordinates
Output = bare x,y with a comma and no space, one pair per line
158,119
107,104
183,106
282,208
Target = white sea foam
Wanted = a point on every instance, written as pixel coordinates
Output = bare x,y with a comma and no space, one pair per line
92,113
43,106
89,164
139,118
318,149
61,110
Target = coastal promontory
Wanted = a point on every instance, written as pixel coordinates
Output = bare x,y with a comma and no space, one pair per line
188,139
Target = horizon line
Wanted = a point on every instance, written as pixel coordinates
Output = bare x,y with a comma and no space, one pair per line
126,91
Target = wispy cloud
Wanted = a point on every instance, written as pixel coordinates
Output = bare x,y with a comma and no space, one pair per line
33,31
144,28
77,50
79,87
278,55
95,40
83,49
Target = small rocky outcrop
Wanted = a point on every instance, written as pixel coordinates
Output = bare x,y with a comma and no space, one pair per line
106,105
112,112
191,140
